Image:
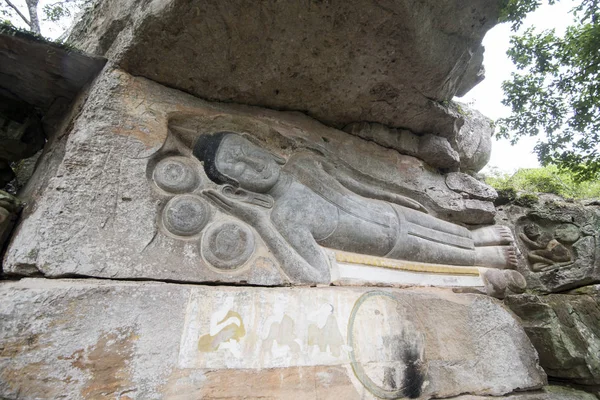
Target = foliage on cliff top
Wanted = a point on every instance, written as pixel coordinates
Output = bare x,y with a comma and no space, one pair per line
549,179
556,91
11,30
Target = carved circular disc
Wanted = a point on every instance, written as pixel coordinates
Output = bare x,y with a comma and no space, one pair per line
175,175
227,245
186,215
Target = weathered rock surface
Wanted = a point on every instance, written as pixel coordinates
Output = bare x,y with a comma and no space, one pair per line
565,331
392,62
471,187
38,73
434,150
474,140
97,216
86,339
468,150
547,393
559,243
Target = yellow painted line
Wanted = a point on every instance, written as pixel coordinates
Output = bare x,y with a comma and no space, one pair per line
342,256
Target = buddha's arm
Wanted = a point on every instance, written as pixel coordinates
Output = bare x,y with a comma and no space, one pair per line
300,265
303,242
370,191
298,268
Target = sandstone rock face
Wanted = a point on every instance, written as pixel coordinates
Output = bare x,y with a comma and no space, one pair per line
87,339
434,150
467,150
38,73
559,245
558,241
564,329
547,393
474,140
392,62
470,186
100,214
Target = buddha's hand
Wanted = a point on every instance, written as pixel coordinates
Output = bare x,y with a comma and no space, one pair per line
229,204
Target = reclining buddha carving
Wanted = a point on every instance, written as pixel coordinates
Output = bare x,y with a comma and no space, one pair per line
306,203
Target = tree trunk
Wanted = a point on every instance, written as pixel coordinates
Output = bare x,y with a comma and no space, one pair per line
34,22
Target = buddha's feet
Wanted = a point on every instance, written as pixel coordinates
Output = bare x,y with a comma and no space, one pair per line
504,257
495,235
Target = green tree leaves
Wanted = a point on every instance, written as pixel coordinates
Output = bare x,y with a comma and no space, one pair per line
543,180
27,11
556,90
56,11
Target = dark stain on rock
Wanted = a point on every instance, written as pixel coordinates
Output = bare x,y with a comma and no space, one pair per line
108,364
413,374
406,348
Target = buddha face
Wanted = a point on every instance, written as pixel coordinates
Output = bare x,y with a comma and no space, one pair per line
253,168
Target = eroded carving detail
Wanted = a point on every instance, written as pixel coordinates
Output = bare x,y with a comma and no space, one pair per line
186,215
227,245
175,175
498,282
549,248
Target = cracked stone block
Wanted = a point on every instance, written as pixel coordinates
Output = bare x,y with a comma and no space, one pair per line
550,392
151,340
392,62
564,330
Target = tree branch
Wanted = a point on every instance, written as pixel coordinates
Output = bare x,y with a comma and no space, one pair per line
33,15
11,5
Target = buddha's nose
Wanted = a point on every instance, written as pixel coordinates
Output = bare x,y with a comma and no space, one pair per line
257,165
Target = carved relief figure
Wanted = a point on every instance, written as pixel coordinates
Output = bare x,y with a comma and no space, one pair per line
305,203
546,251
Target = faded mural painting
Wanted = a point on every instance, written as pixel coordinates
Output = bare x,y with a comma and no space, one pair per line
325,331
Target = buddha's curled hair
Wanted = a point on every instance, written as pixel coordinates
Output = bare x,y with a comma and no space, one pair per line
205,150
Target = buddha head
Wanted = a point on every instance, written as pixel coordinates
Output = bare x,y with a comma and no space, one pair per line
532,231
229,158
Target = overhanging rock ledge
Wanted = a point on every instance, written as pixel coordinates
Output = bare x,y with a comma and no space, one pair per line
394,62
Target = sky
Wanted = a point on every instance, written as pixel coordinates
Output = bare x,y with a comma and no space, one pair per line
487,96
50,30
